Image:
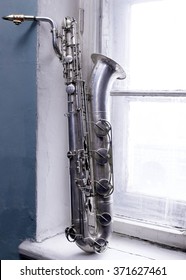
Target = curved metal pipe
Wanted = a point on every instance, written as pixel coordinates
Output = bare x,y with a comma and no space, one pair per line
18,19
104,73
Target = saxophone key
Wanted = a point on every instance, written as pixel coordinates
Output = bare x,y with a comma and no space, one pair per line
100,245
70,89
68,58
104,219
101,156
104,187
102,128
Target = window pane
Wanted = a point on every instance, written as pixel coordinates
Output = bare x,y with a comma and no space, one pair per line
150,158
157,149
147,37
157,43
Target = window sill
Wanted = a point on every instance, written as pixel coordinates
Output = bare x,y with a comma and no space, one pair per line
172,237
120,247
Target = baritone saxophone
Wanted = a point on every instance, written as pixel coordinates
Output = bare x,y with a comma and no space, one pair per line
90,136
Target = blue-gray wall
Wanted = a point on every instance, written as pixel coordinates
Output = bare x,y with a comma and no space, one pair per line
17,128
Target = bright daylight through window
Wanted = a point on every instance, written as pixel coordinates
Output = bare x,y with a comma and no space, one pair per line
149,123
157,43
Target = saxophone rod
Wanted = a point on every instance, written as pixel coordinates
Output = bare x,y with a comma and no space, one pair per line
18,19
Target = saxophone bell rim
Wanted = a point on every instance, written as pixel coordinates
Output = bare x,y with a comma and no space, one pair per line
118,68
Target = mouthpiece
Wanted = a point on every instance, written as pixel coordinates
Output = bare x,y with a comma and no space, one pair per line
18,19
6,17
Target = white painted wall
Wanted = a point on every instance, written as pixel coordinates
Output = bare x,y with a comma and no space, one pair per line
53,214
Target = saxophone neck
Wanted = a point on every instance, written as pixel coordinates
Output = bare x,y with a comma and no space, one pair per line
18,19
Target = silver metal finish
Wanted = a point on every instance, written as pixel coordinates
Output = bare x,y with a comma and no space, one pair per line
18,19
90,137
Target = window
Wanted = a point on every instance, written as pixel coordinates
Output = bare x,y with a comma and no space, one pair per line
149,108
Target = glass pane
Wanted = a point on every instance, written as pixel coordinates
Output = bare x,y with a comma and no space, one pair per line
157,43
148,39
157,148
149,151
